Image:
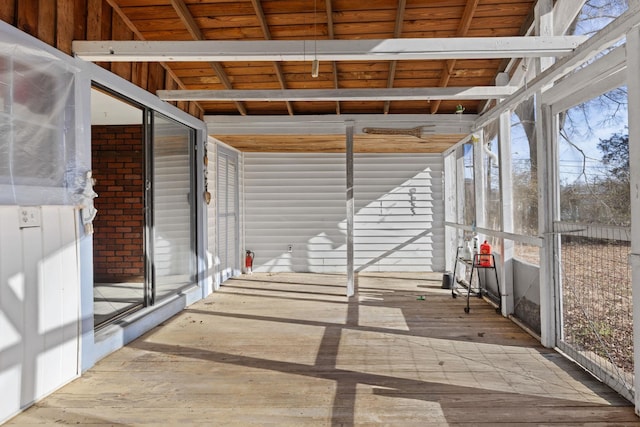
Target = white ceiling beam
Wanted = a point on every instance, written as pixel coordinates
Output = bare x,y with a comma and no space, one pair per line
584,81
605,38
326,50
392,94
335,125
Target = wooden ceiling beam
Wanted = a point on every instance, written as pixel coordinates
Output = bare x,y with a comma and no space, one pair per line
327,50
116,8
262,19
393,94
192,27
463,28
330,33
397,30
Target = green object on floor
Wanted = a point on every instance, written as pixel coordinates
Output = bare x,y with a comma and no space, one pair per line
420,298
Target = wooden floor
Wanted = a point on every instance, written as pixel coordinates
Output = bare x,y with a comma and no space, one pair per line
292,350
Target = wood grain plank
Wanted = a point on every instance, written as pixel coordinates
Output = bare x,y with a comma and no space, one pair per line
120,31
335,143
7,11
290,349
94,19
80,22
27,16
293,19
65,25
46,21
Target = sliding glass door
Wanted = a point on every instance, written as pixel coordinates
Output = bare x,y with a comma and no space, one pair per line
144,239
172,237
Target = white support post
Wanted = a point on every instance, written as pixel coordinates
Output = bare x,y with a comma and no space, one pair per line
548,212
479,178
351,282
460,188
546,162
450,208
633,86
544,26
506,191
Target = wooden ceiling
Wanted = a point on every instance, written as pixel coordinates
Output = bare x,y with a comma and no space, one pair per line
253,20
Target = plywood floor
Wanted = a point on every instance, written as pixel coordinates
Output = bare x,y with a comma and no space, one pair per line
292,350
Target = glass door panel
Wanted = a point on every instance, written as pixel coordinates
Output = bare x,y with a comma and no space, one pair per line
173,236
117,157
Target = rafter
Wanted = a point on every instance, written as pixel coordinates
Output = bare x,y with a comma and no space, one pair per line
328,50
393,64
138,34
257,6
193,29
449,65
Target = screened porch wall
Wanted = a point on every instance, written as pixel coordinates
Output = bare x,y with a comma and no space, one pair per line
295,212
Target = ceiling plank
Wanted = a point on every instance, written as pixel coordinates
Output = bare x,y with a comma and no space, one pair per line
257,6
328,50
393,94
331,35
335,143
183,12
393,65
463,28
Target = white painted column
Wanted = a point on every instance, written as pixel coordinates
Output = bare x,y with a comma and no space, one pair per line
351,282
545,162
548,212
85,255
450,209
633,86
506,191
460,184
479,179
461,187
505,273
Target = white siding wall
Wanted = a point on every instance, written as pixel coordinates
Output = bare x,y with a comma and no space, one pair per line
39,305
228,213
299,200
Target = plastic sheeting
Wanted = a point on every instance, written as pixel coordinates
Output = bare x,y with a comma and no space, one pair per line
39,151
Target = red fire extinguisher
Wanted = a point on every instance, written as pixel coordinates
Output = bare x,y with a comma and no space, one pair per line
485,255
248,261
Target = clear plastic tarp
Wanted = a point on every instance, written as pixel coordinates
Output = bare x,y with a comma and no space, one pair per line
39,154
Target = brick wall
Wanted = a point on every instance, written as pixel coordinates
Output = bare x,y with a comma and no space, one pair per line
118,167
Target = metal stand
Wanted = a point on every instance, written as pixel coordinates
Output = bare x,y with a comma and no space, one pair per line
475,266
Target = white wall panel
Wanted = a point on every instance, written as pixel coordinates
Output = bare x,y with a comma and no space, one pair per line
298,200
228,213
39,305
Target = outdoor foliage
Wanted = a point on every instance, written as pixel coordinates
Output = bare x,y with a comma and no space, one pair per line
601,198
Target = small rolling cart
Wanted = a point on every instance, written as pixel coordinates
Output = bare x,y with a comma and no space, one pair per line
481,261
